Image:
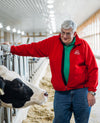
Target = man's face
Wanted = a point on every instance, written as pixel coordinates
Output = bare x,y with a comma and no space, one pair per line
67,36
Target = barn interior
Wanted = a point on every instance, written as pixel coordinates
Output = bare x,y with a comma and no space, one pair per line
27,21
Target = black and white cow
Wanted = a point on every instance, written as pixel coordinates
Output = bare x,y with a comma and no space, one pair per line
16,92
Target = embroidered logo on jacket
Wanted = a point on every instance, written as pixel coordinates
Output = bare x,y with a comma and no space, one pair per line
77,52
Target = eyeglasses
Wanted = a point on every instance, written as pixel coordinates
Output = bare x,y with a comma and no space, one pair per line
67,34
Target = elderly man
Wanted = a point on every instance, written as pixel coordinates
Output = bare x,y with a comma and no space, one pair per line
74,72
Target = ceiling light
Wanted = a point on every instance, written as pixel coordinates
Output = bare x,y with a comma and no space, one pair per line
51,15
53,22
51,12
50,32
52,19
8,28
18,31
50,6
22,33
1,26
50,1
14,30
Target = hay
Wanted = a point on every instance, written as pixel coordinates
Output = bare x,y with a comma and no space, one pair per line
43,113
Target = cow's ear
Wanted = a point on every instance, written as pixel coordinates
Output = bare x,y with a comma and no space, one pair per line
17,83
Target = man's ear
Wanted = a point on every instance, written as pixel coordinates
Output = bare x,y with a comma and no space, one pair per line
75,34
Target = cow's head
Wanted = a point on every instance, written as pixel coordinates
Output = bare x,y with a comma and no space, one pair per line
18,93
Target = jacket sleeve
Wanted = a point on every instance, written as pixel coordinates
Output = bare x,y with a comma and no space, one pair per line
39,49
92,67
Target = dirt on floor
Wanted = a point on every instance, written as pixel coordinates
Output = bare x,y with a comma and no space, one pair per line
43,113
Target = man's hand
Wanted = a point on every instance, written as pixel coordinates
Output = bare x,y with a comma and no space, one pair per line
5,43
91,99
5,47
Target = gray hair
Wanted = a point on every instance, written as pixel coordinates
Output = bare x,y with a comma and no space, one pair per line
69,24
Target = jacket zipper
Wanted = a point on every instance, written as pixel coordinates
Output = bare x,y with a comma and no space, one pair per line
62,68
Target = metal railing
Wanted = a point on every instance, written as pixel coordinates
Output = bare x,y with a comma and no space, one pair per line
15,63
26,67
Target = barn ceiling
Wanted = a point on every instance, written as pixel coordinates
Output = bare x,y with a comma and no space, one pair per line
44,15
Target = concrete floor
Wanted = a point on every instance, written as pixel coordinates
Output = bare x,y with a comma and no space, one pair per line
95,112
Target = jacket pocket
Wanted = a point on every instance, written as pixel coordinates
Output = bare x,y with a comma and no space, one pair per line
80,75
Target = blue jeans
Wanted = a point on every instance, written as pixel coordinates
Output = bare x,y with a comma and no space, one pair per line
68,102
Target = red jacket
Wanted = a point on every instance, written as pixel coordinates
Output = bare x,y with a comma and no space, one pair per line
83,68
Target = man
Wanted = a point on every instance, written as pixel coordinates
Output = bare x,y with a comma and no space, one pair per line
74,72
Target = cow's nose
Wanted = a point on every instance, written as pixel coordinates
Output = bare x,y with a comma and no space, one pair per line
45,94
